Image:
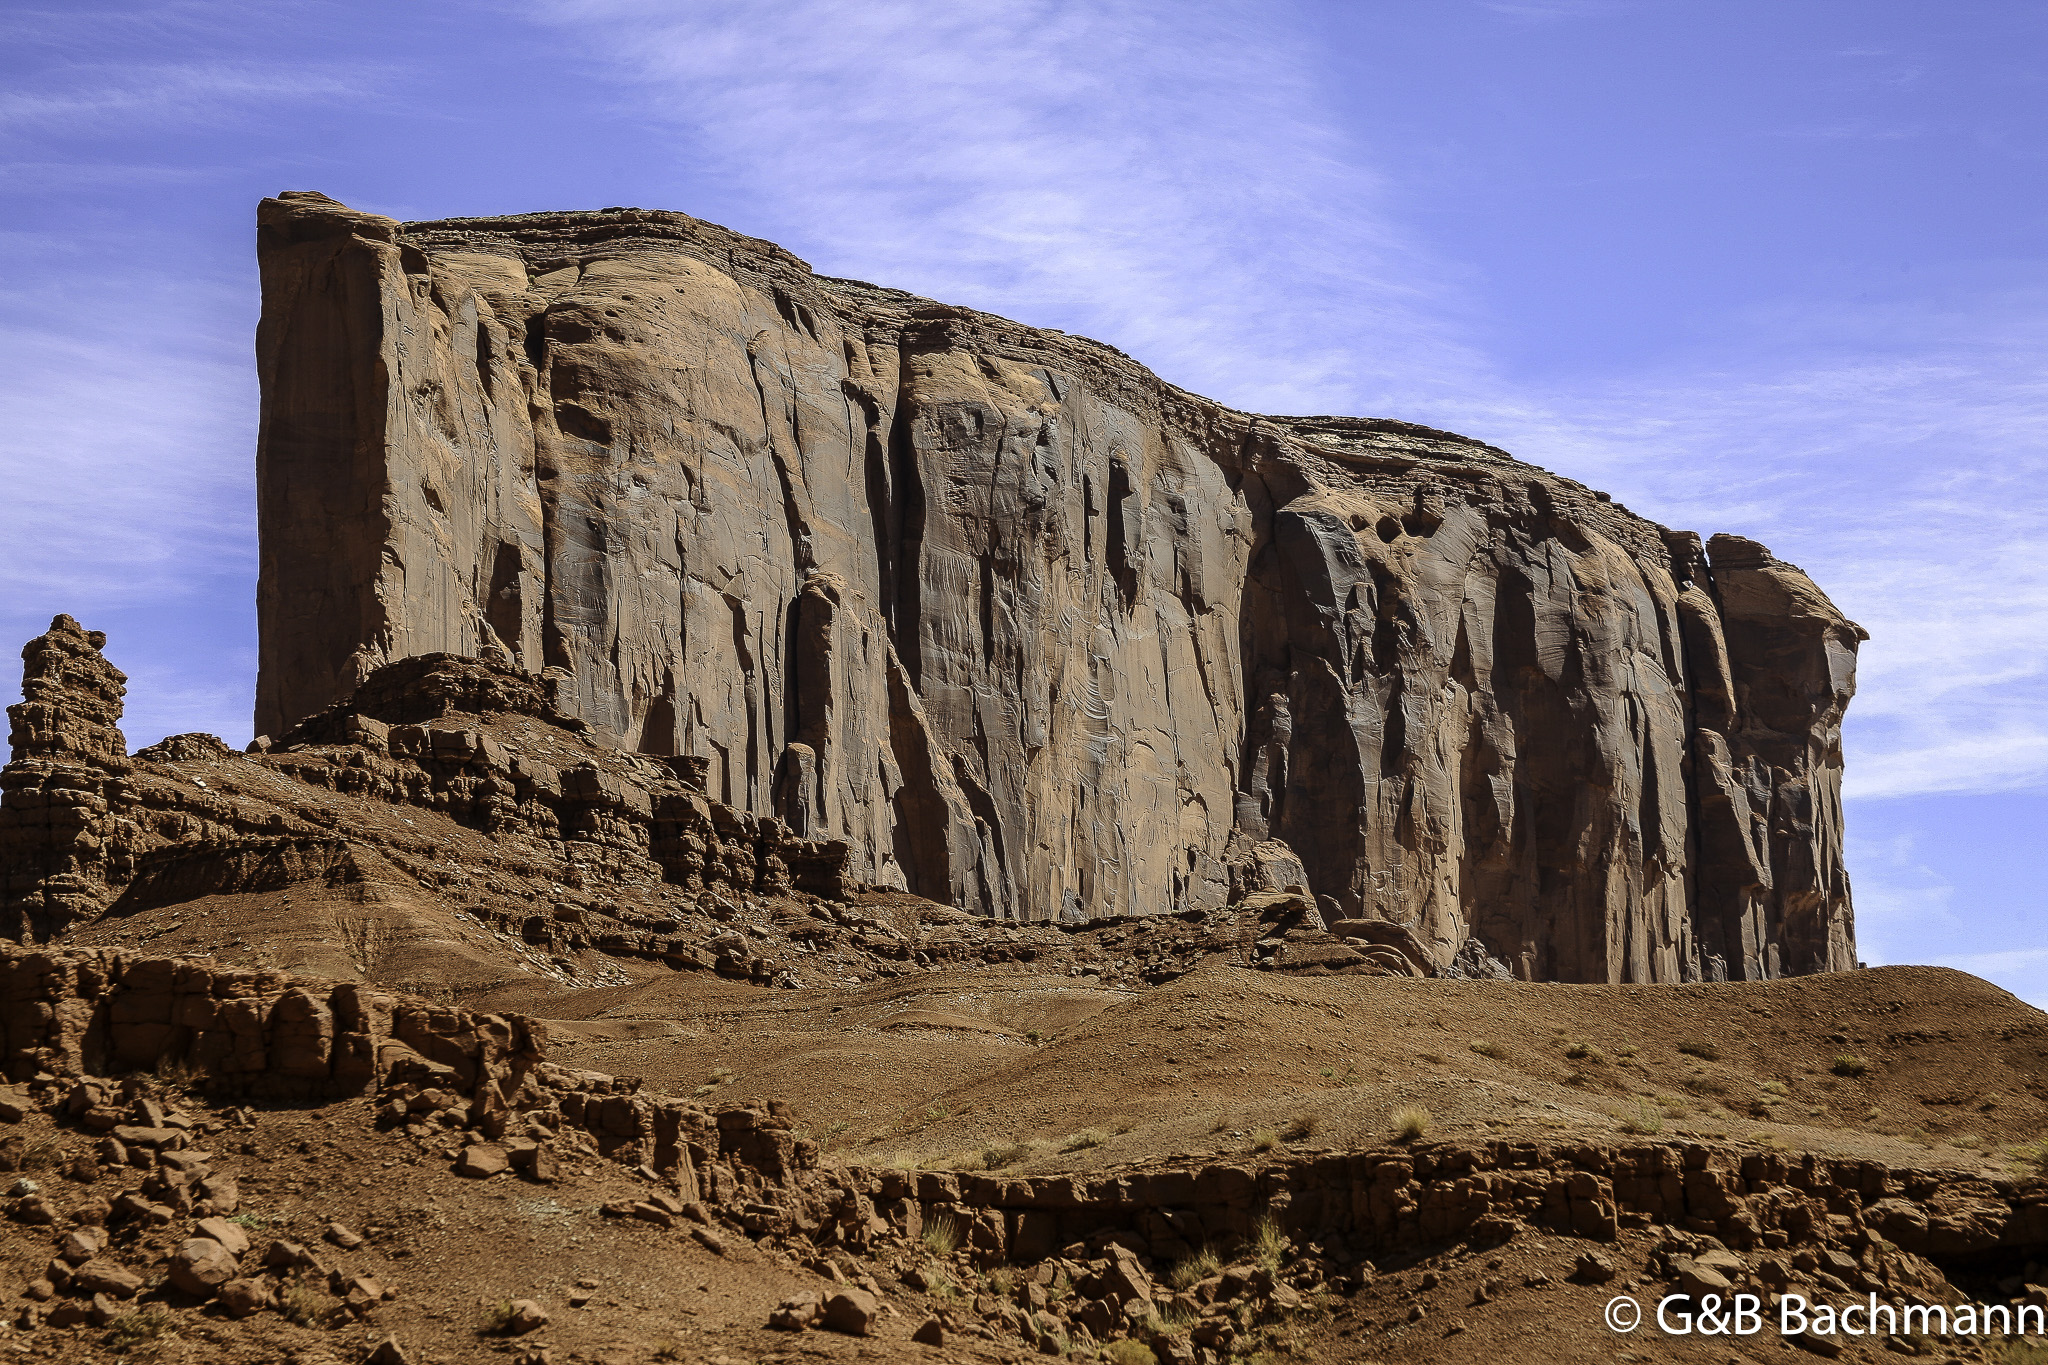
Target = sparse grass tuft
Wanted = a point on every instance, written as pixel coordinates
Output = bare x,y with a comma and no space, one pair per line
1585,1052
307,1305
1119,1124
152,1323
1706,1052
1300,1128
495,1321
1192,1270
1265,1140
1774,1088
178,1073
1034,1036
1411,1121
997,1155
1626,1051
1086,1138
1488,1049
1269,1246
1002,1280
1129,1351
2034,1154
1849,1065
942,1235
1644,1121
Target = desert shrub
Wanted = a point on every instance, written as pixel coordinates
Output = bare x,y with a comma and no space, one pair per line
1410,1121
178,1073
1034,1036
1703,1085
941,1234
1300,1128
1129,1352
495,1320
1644,1121
1705,1051
1121,1124
310,1306
1193,1269
1086,1138
1487,1049
1268,1246
997,1155
1265,1140
1849,1065
1774,1088
1002,1280
1585,1052
1626,1051
148,1324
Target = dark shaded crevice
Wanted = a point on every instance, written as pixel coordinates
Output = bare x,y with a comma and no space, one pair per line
909,504
1122,539
504,610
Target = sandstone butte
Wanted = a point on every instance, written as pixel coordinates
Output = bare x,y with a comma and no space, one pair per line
1035,633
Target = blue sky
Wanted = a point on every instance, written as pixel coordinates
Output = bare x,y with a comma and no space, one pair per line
1758,267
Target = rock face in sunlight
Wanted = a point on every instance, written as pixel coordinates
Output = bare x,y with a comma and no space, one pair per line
1031,631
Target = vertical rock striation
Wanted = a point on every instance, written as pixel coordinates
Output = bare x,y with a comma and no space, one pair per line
1033,632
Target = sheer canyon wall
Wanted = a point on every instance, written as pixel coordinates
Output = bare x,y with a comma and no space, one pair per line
1032,631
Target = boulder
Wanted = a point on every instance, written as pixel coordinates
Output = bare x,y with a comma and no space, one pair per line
852,1311
201,1266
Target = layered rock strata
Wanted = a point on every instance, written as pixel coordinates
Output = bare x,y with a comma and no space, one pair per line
1030,631
454,787
68,1017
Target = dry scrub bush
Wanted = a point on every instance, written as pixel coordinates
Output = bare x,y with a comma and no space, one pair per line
1193,1269
307,1306
941,1234
145,1325
1265,1140
1269,1246
1129,1352
1086,1138
1410,1122
1849,1065
1644,1121
1300,1128
1706,1052
496,1320
997,1155
1487,1049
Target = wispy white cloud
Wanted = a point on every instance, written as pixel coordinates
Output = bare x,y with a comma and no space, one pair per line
87,99
1166,178
1161,176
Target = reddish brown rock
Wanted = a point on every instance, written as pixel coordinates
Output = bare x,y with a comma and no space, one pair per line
201,1266
913,578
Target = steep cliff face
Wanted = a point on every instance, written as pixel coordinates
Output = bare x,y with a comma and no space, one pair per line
1032,631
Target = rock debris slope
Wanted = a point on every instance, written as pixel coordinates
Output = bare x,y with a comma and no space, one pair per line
1034,633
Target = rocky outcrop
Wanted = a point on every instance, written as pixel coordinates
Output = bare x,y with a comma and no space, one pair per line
55,865
1029,631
